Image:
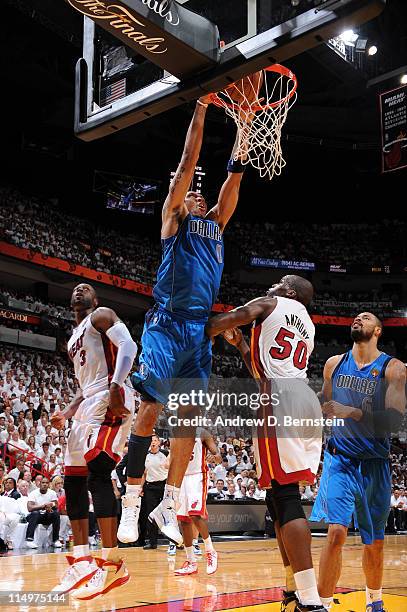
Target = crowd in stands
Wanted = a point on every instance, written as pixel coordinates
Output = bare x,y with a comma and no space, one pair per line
33,386
44,227
333,243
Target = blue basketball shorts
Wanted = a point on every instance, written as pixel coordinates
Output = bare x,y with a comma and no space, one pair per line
354,487
176,356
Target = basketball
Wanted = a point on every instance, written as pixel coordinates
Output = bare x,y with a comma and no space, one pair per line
246,89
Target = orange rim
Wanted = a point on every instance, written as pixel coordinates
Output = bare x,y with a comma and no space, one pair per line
277,68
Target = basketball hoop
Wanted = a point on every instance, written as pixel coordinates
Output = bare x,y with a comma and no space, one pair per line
259,106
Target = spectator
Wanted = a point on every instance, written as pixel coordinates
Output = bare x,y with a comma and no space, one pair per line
10,488
42,507
23,488
220,470
231,458
218,492
9,519
18,471
232,492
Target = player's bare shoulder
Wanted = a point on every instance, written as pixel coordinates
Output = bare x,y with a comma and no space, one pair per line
396,370
331,364
102,318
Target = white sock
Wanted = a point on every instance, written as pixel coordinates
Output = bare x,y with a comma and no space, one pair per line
111,554
172,492
208,544
307,589
133,489
81,550
327,602
195,542
190,554
372,595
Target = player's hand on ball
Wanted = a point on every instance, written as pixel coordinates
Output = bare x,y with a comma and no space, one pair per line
58,420
116,403
234,336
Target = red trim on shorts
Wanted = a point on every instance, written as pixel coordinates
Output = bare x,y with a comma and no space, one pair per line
76,470
269,453
104,442
184,519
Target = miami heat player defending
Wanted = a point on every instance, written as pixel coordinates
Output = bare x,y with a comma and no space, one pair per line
102,352
177,356
192,510
282,341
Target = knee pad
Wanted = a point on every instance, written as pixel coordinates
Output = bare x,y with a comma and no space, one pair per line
287,502
100,485
77,498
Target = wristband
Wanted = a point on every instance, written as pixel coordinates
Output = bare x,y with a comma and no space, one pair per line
236,166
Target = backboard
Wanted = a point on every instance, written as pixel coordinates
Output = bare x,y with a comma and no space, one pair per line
117,87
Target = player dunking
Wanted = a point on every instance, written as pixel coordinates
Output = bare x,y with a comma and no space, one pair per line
102,352
176,353
192,510
282,341
366,388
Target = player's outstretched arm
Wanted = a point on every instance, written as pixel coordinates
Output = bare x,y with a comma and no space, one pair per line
106,321
259,308
229,194
174,209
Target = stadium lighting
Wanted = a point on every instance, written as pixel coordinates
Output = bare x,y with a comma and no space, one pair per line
349,37
403,79
372,50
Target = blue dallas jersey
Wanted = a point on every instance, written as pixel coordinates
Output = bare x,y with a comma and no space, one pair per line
189,276
363,388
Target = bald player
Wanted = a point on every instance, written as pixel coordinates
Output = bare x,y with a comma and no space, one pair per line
282,341
366,388
102,352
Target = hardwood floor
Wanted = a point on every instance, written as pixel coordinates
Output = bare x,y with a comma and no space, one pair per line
250,574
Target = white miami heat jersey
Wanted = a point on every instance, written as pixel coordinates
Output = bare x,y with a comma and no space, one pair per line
197,463
93,356
283,342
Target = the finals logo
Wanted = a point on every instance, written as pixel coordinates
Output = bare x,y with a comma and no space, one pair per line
120,18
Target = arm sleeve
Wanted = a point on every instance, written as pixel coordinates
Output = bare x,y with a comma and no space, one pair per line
127,351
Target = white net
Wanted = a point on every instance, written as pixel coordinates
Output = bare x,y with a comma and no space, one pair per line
259,107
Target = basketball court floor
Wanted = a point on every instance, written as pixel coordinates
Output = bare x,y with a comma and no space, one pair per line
249,579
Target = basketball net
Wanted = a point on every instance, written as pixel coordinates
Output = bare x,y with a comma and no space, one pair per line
260,116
